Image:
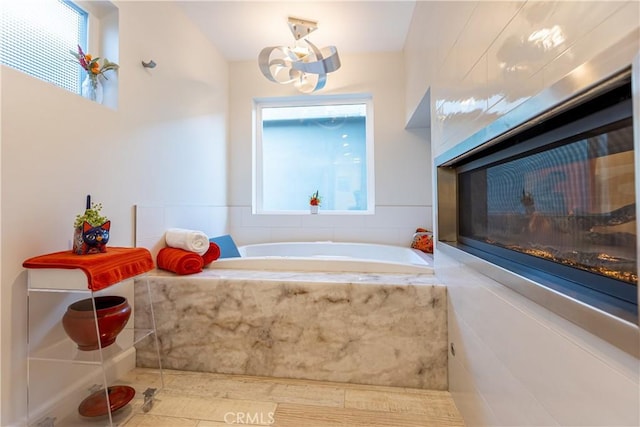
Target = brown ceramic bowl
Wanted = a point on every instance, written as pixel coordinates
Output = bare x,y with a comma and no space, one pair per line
96,404
112,312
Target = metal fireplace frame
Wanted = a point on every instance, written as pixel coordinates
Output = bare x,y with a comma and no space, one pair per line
582,84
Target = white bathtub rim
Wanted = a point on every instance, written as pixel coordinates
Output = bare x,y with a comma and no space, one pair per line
319,265
424,257
326,263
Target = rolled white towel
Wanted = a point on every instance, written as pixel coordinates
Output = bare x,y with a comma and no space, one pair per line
189,240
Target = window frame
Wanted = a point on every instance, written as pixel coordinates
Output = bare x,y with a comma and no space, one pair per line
305,101
84,38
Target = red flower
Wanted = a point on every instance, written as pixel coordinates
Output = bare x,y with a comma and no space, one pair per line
82,58
314,199
91,65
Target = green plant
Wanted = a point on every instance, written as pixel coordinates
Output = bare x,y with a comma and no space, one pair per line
91,215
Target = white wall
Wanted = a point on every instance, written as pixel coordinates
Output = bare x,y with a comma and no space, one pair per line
402,170
516,363
164,144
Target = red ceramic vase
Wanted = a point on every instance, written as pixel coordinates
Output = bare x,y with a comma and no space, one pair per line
78,321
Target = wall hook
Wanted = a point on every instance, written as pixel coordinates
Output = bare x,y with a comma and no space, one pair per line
150,64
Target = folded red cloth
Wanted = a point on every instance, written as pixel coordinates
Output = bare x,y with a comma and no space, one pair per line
103,269
212,254
179,261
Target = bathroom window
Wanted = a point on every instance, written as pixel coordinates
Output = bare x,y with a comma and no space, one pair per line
310,144
36,39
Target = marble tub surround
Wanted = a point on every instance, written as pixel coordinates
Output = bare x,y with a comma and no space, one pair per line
375,329
311,277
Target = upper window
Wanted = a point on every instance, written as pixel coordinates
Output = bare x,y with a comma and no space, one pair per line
314,144
36,39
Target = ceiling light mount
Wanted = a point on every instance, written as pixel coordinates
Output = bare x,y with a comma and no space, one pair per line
303,64
301,28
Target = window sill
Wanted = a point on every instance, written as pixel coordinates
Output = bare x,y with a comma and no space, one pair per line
320,212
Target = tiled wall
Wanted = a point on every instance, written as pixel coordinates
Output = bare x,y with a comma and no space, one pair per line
482,59
393,225
151,222
516,363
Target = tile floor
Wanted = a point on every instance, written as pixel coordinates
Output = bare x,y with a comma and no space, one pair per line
193,399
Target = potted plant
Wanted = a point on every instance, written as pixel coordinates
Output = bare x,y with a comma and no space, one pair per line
91,230
91,86
314,202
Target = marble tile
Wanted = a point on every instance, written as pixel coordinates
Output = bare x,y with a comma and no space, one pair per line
213,424
141,379
288,415
303,277
357,328
433,403
172,403
148,420
192,399
254,388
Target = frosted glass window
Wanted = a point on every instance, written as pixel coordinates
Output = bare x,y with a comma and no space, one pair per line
314,145
36,39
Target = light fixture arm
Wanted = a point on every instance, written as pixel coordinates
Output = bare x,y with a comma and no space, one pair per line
306,68
324,64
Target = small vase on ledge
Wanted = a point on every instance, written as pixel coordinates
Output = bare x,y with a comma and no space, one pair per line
314,202
92,89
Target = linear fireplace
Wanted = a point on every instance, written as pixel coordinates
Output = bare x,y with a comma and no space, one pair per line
559,200
553,198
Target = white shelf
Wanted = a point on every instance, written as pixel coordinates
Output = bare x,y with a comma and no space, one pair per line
119,418
66,351
58,279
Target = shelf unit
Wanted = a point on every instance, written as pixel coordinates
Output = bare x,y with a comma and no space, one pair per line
59,375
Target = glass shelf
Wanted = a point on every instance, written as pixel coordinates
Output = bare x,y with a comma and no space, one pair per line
119,418
59,375
65,291
66,351
66,414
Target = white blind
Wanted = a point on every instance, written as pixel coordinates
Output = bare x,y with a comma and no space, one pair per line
37,36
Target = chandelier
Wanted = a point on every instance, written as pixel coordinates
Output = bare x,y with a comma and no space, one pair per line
302,64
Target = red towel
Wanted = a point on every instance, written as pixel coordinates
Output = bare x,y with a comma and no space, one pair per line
212,254
179,261
103,269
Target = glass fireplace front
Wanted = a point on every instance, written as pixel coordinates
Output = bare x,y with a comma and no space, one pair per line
559,201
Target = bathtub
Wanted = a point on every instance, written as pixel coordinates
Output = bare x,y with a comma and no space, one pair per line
329,257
